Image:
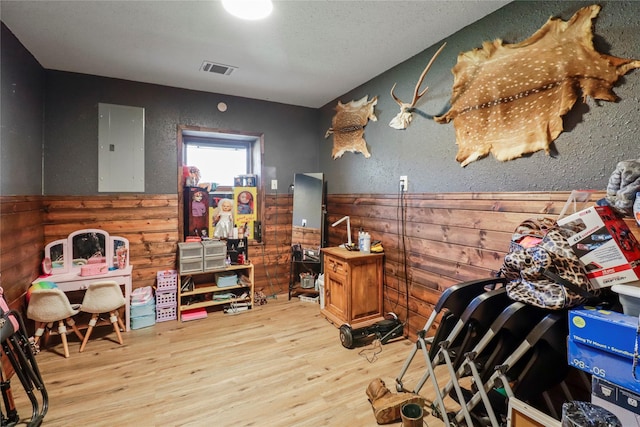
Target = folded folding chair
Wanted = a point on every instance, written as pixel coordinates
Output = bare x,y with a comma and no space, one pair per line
538,363
452,303
16,347
471,325
506,332
470,328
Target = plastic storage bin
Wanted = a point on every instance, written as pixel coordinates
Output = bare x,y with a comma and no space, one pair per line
226,280
164,314
214,248
167,280
166,295
164,299
188,266
190,250
143,309
143,321
214,263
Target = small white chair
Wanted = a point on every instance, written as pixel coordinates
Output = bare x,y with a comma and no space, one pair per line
47,306
103,297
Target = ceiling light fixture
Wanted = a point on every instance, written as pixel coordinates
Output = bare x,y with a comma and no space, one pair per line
248,9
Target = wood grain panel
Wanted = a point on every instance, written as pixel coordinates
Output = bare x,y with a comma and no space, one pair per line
441,240
150,222
21,239
438,240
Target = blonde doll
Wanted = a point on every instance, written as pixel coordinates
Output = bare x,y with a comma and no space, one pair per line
223,219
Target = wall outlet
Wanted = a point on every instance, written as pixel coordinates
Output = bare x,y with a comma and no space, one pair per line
404,183
274,184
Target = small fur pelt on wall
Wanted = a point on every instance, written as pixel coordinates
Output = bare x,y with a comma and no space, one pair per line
348,125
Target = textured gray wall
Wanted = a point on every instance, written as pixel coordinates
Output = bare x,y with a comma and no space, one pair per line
596,137
597,134
21,130
71,129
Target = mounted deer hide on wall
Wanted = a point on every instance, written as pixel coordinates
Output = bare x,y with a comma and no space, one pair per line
348,126
509,99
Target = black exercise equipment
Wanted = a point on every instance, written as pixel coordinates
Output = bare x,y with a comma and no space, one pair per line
384,330
17,348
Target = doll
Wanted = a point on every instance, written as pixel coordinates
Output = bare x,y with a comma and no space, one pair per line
198,213
191,176
223,219
245,203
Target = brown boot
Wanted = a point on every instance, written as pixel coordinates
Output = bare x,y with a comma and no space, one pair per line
386,405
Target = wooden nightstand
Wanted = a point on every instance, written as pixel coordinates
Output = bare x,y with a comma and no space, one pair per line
352,287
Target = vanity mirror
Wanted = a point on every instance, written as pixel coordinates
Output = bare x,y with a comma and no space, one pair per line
86,244
307,236
87,256
56,252
70,254
308,210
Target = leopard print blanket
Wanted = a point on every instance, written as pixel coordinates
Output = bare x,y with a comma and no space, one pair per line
527,268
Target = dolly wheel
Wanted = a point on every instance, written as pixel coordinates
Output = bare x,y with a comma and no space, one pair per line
346,337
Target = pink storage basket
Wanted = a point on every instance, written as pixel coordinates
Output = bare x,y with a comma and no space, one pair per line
167,280
164,299
166,313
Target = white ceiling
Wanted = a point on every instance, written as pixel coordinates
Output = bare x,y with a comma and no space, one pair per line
306,53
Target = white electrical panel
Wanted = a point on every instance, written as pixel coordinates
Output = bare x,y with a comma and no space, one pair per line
120,148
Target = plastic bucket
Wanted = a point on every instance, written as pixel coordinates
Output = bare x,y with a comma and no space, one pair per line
411,414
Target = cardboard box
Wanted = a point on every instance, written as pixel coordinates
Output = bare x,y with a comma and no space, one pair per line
605,245
603,330
608,366
622,403
602,343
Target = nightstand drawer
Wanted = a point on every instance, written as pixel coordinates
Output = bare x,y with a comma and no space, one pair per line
336,265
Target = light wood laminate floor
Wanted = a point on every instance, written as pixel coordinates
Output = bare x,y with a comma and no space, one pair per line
280,364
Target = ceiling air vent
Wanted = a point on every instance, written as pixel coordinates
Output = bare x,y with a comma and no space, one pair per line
212,67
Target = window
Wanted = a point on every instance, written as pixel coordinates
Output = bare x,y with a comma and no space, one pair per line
218,161
220,156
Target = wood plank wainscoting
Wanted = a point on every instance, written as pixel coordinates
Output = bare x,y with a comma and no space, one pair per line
150,222
448,238
21,245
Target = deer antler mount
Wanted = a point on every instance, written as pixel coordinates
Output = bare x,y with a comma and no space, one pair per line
404,117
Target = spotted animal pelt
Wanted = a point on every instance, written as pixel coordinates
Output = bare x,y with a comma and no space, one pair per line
348,126
509,99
